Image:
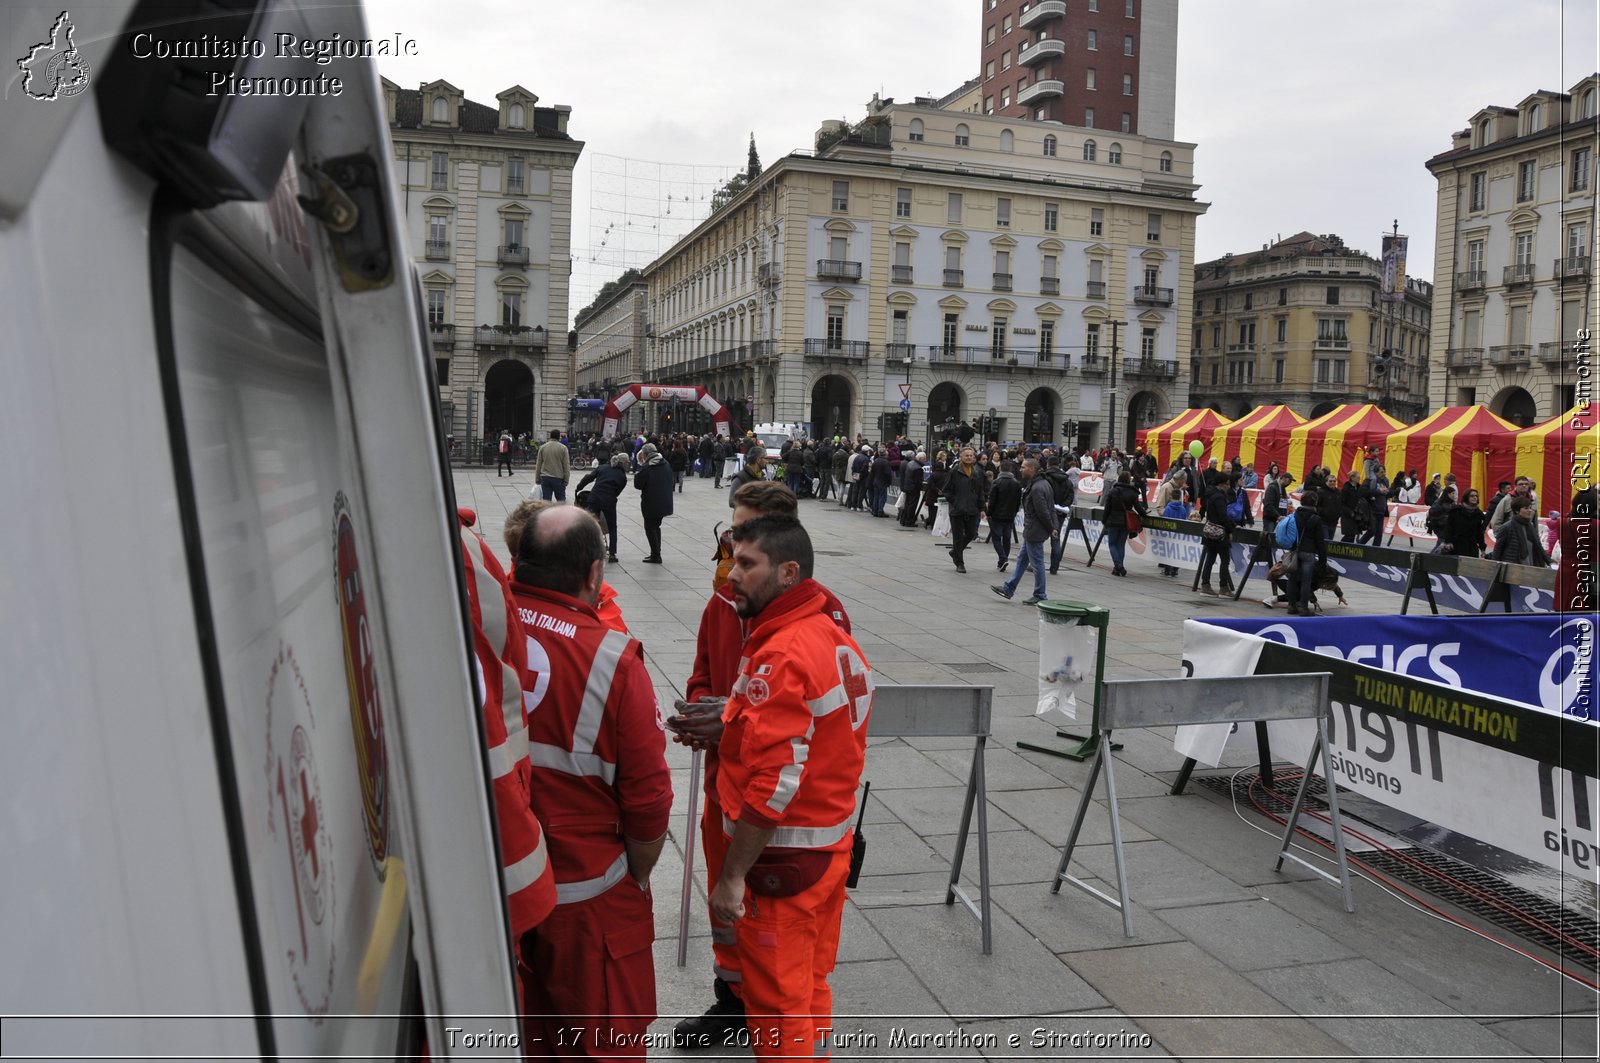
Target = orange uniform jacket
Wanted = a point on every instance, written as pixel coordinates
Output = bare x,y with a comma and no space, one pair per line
795,727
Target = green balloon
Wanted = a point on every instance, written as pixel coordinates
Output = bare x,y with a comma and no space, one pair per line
1197,448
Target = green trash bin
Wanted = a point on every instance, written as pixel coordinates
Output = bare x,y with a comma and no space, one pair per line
1075,614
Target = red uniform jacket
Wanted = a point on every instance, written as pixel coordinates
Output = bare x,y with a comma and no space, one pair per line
795,727
596,739
499,659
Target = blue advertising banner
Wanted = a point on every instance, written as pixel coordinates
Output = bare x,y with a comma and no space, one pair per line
1542,660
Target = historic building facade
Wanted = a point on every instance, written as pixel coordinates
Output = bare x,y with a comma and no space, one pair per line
487,192
1301,323
612,336
1514,276
927,266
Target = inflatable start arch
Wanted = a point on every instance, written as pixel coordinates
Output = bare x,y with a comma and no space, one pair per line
664,393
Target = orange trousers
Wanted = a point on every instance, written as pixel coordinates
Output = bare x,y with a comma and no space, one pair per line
724,942
787,948
589,984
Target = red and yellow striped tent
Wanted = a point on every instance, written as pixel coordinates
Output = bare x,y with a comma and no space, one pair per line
1560,455
1337,439
1167,441
1466,440
1260,436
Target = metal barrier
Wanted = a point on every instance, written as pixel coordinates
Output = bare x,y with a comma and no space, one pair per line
1501,577
1230,699
901,711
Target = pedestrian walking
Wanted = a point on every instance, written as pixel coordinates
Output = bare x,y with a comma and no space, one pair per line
1005,502
1122,502
966,500
1040,524
552,467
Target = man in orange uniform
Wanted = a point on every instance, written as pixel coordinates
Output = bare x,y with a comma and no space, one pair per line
601,787
718,648
793,746
500,659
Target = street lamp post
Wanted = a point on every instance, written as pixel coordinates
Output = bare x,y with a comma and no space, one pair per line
1116,356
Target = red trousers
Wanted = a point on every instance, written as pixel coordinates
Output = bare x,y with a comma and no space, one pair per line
787,948
590,984
724,941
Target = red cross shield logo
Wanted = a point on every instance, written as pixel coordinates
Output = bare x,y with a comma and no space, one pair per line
856,678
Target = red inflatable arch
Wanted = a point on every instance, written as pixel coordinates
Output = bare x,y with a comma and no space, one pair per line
664,393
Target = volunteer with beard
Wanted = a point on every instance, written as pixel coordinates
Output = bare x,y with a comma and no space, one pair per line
792,752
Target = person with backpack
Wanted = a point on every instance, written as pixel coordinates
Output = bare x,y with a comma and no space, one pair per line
504,459
1301,534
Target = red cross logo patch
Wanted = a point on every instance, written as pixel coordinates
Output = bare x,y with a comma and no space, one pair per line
856,678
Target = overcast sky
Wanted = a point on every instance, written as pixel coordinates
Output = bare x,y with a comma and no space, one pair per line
1307,114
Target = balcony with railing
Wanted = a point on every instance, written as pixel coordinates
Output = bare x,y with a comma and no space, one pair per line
900,274
513,255
1039,51
1094,290
1473,280
1573,267
1241,348
1150,368
952,354
768,274
1463,359
1047,89
491,336
514,186
1049,285
1333,344
899,352
1326,386
1043,11
1150,295
441,334
1519,275
953,278
853,350
838,269
1002,282
436,250
1056,361
1552,353
1510,356
1092,365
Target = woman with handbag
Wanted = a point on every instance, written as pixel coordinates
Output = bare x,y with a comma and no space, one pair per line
1124,517
1216,536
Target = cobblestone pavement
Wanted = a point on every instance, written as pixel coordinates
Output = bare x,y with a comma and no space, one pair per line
1230,959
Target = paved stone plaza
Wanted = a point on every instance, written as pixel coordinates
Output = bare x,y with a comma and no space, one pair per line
1230,959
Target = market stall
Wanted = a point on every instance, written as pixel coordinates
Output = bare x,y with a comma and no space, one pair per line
1560,455
1469,441
1167,441
1260,436
1338,439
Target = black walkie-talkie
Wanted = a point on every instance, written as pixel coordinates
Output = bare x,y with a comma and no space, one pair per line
858,845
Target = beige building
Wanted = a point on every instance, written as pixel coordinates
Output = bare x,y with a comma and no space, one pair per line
1300,323
612,335
1513,269
488,200
969,266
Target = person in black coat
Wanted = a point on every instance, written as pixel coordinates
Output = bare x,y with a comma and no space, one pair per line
1005,502
1352,508
654,481
1310,551
1464,526
879,477
911,476
609,481
1123,498
706,450
1216,511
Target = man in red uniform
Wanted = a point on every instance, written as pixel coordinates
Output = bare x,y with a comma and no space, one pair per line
610,612
499,659
600,785
718,648
793,747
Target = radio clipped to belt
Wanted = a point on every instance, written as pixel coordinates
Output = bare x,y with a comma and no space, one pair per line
858,844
